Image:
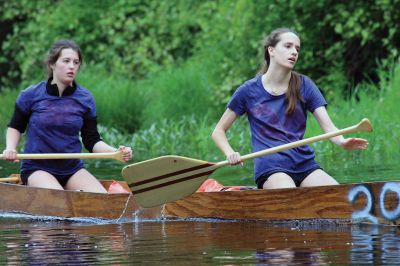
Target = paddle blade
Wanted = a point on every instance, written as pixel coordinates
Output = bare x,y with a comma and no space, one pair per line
164,179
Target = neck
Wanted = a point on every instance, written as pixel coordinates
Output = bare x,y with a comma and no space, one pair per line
276,80
278,75
61,86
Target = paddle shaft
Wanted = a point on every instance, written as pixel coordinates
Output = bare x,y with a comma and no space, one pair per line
11,179
364,125
38,156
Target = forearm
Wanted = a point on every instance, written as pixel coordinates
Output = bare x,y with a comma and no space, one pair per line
101,146
220,139
327,125
219,133
338,140
13,137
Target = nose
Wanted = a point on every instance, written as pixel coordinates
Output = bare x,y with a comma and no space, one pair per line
71,64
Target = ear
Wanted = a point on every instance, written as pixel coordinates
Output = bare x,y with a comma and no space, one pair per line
271,51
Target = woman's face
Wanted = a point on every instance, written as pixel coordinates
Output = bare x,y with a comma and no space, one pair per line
286,51
66,66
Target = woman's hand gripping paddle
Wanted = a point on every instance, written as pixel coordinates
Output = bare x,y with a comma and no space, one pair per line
169,178
117,155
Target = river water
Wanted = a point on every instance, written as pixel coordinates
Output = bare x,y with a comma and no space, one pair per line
194,242
47,241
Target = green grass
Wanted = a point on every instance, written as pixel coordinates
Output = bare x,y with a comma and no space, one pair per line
171,94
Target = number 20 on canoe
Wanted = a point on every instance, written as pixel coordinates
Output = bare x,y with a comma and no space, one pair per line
169,178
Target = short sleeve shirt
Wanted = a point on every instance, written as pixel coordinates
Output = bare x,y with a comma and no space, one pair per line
54,126
271,127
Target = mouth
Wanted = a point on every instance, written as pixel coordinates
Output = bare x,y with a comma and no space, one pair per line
70,74
292,60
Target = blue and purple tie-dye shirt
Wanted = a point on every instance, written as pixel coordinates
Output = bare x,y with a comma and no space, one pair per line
54,126
271,127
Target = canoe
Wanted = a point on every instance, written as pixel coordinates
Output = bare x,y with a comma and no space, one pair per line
20,199
371,202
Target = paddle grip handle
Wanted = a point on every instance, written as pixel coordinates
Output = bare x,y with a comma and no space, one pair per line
12,179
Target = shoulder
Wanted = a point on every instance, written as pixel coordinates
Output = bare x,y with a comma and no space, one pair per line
307,85
251,83
306,81
30,95
312,95
86,99
82,90
83,93
250,86
34,89
33,92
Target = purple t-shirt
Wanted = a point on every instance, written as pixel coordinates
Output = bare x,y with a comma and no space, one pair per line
54,126
271,127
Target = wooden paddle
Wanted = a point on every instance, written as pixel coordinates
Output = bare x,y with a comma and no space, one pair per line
169,178
117,155
11,179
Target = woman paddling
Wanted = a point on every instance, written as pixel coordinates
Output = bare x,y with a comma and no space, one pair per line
276,102
55,112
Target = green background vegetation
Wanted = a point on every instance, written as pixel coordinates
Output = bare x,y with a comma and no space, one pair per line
162,71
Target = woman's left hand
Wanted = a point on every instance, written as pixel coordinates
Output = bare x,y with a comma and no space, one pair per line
355,144
127,153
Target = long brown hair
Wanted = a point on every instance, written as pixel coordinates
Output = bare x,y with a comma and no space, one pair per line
55,52
293,92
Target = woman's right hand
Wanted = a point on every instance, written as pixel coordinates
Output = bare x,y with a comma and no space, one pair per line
234,158
10,155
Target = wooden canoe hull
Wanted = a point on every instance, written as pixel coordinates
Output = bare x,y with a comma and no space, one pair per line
375,202
69,204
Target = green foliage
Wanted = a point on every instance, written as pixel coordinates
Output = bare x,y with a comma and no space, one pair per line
170,94
234,39
138,36
26,47
119,101
362,32
178,92
341,42
14,15
7,103
133,37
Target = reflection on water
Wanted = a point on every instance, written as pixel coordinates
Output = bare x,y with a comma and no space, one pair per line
378,245
195,242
